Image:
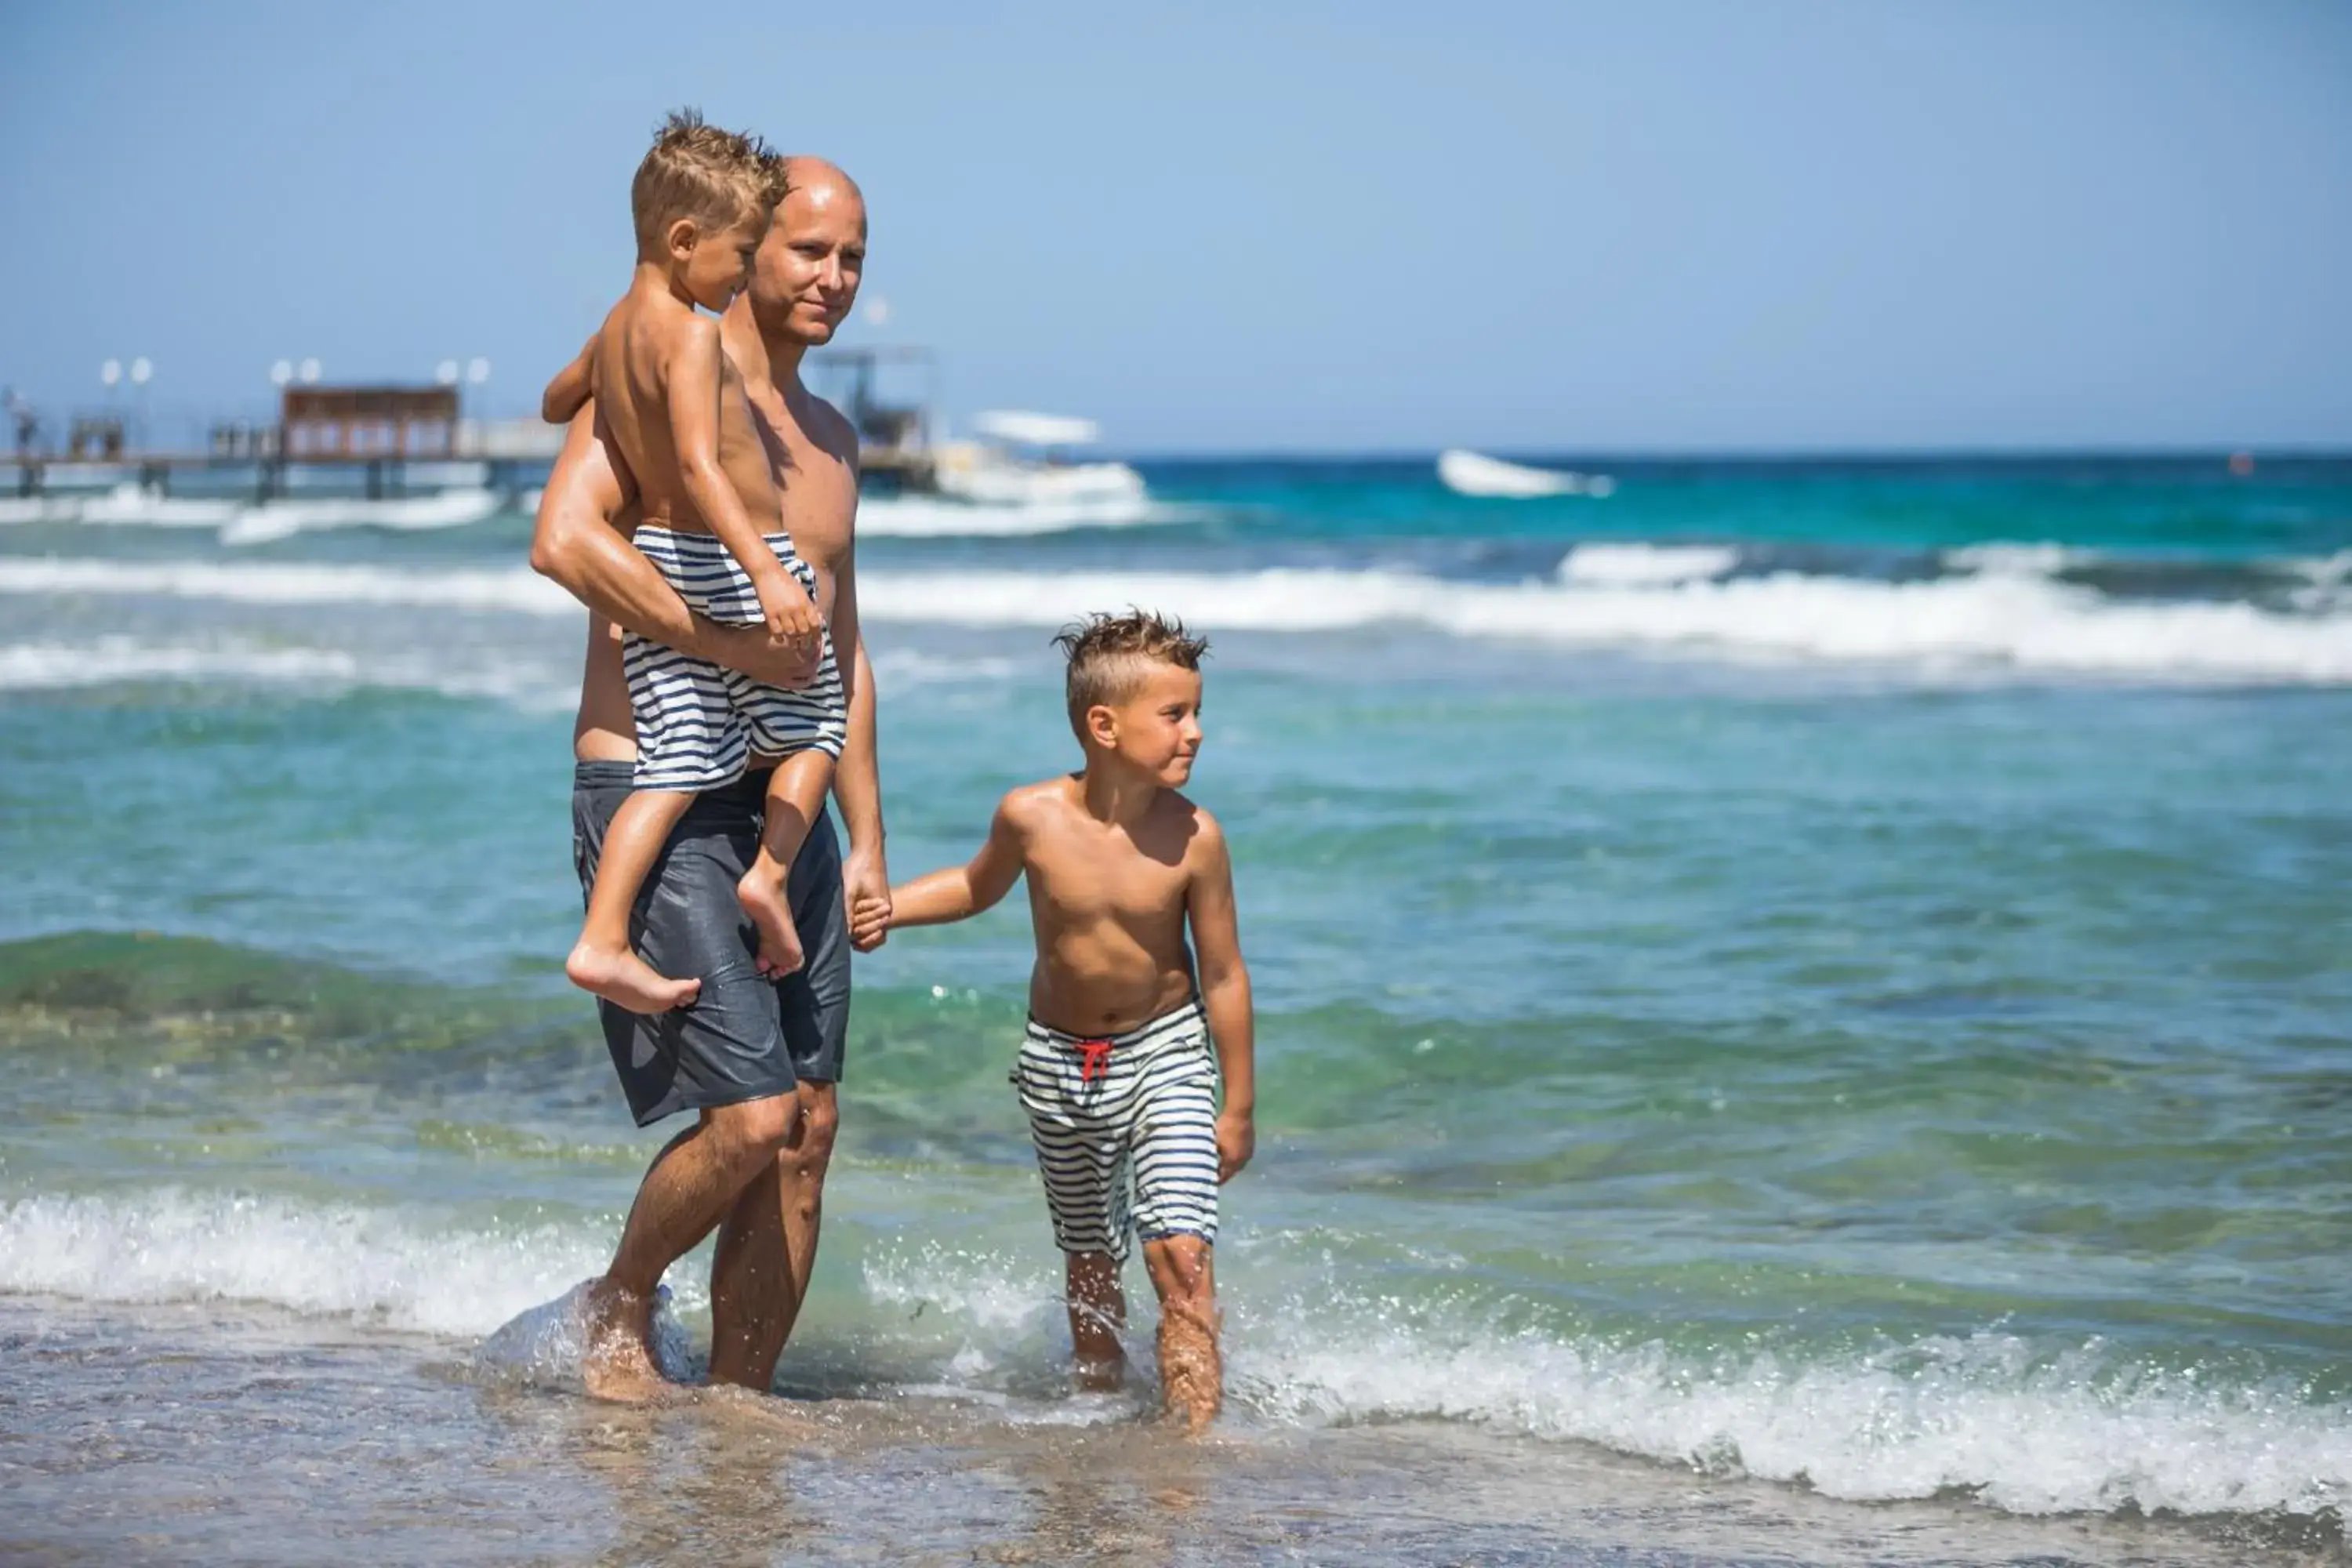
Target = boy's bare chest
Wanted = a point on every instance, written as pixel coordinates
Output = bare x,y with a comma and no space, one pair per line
1088,877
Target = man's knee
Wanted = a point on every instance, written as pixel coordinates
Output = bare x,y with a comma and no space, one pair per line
756,1129
817,1116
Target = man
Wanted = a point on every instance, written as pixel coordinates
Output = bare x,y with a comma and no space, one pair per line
753,1167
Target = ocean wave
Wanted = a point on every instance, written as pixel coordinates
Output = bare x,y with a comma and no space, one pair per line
928,517
125,661
2009,558
1642,566
2017,621
2024,1425
402,1270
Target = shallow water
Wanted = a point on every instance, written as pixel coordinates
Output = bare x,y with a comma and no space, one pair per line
1771,1010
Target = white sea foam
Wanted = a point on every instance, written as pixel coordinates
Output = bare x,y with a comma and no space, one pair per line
1637,565
2018,621
2007,558
2028,1426
928,517
121,660
403,1270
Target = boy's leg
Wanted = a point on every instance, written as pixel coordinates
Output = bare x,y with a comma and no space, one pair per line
796,792
603,961
1175,1144
691,1183
1191,1371
1098,1314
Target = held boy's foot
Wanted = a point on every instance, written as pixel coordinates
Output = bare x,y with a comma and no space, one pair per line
623,979
617,1363
780,939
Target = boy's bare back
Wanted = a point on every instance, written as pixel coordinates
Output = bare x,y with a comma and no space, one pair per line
1109,902
654,349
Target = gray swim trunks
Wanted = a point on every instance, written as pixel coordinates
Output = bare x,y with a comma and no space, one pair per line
744,1037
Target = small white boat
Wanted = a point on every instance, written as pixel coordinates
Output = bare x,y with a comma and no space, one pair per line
1471,474
1021,459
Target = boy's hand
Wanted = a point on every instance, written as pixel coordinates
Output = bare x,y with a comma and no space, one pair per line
791,614
1236,1142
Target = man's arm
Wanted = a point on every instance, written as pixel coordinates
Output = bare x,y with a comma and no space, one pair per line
962,891
857,780
1225,994
581,542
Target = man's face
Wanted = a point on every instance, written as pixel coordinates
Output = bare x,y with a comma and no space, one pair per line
807,270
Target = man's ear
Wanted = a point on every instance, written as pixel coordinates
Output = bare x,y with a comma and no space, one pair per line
1102,726
682,237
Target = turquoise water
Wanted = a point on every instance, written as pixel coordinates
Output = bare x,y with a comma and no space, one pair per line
1825,976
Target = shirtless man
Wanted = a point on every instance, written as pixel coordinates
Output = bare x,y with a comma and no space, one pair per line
804,281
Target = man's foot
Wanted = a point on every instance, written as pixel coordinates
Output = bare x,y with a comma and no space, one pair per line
623,979
1107,1375
780,939
616,1361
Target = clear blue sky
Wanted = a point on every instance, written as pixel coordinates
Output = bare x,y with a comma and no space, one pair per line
1749,225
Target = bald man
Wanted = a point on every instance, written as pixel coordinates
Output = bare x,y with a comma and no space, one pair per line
753,1165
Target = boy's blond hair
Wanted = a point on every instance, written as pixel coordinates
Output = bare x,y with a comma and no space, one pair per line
697,170
1108,656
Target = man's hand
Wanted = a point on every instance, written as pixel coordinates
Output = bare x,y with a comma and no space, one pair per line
1236,1142
750,650
866,890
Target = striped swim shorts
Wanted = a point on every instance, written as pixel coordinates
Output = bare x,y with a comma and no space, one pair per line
699,723
1138,1107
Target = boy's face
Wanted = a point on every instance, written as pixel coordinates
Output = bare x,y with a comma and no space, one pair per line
1157,730
717,262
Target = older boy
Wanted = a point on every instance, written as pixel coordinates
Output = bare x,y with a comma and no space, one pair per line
702,201
1115,1071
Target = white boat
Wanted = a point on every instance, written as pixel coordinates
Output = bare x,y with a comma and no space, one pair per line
1021,460
1470,473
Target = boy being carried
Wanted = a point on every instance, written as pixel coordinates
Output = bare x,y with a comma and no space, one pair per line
1115,1071
712,524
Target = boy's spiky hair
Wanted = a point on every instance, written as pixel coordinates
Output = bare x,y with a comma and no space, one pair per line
1109,654
697,170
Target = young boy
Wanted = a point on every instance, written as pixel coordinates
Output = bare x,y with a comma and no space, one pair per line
1115,1071
713,526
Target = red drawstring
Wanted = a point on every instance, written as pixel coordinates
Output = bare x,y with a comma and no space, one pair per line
1095,1062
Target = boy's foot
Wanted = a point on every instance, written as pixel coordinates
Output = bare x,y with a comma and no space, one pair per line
627,981
1107,1375
780,939
616,1361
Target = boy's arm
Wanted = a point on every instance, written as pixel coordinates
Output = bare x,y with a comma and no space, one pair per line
580,543
573,385
857,780
962,891
1225,995
694,381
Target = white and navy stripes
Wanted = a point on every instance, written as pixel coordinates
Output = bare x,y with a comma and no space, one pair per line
698,723
1143,1104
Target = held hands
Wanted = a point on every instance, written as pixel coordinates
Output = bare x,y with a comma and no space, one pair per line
865,888
1236,1142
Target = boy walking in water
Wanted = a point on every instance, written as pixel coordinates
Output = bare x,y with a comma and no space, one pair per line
1117,1071
712,524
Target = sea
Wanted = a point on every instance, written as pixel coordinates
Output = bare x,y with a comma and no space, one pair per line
1803,1017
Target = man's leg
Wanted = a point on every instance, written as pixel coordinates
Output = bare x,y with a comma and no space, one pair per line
767,1249
693,1181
